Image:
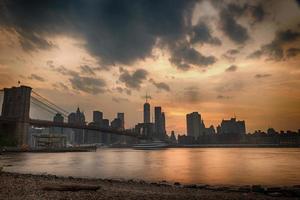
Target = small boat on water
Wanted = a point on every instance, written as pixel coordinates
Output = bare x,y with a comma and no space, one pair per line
151,145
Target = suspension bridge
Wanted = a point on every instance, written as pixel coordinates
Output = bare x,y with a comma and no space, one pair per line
16,121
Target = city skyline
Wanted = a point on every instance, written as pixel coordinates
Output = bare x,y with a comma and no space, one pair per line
198,63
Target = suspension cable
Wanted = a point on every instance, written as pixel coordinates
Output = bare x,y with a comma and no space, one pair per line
48,106
49,102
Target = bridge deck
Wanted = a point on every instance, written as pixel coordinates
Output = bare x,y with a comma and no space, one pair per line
45,123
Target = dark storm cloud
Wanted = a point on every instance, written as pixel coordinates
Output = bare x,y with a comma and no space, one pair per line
202,34
116,31
236,32
262,75
255,54
230,55
160,85
292,52
257,12
184,56
123,90
36,77
275,49
88,84
233,51
231,68
133,80
91,85
88,70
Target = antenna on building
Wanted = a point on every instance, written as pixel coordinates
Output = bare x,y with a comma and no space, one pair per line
147,97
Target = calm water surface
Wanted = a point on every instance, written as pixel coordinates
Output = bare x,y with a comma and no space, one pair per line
269,166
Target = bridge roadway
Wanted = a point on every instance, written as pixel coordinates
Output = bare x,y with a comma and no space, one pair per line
45,123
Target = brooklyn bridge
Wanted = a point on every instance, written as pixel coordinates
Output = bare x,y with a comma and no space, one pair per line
15,116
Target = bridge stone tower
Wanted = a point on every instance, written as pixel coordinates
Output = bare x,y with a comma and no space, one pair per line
15,114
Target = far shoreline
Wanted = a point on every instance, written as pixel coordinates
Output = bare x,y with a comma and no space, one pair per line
4,150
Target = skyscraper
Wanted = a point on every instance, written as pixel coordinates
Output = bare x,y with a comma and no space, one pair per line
158,121
146,112
193,124
121,117
77,118
97,117
163,127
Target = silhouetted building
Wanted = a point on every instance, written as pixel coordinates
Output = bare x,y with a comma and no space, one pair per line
232,127
77,118
160,130
105,123
271,131
122,119
57,118
173,138
97,117
146,112
195,126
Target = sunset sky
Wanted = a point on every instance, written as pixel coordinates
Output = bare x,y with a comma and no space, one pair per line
220,58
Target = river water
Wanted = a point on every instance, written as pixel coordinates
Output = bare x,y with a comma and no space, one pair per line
239,166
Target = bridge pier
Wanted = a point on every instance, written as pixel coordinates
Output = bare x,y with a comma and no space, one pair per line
14,120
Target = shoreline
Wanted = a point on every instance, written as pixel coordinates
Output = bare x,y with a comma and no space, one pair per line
4,150
29,186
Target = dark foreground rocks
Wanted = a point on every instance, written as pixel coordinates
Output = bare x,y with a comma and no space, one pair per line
26,186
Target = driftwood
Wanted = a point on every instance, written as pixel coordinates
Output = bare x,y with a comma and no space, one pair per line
72,187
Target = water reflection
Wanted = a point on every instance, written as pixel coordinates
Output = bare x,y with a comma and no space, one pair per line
204,165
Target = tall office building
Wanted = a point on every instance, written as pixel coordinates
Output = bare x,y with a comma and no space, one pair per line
77,118
193,124
163,120
122,119
146,112
158,121
97,117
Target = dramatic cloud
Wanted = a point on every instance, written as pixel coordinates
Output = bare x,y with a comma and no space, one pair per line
255,54
88,84
257,12
292,52
160,85
262,75
233,51
236,32
183,56
61,86
36,77
125,90
230,55
85,69
115,31
201,34
231,68
275,49
133,80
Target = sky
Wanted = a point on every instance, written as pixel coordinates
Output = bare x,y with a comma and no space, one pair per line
219,58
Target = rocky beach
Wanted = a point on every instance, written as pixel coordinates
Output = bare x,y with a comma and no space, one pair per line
27,186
